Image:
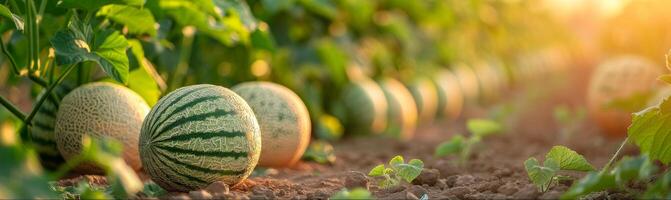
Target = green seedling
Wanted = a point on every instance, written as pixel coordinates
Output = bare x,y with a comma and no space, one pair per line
569,120
321,152
397,172
356,193
557,159
462,146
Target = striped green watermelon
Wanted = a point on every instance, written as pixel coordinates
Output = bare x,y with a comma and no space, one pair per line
42,131
197,135
402,112
365,107
284,121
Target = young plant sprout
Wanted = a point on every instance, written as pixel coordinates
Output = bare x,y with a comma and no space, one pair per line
559,158
397,172
463,146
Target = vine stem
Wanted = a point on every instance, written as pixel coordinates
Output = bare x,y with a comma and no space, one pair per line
49,89
9,57
617,154
185,54
12,108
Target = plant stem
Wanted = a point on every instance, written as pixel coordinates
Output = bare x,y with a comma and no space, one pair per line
49,89
38,80
9,56
12,108
184,56
617,154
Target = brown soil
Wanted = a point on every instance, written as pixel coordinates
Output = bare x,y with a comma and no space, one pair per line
495,171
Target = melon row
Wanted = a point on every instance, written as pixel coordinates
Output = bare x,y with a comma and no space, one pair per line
401,110
425,94
366,108
197,135
42,131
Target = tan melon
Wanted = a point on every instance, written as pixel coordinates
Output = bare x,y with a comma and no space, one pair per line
618,79
100,110
450,97
401,112
468,81
284,121
425,93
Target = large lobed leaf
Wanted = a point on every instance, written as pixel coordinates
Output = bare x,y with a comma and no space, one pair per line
541,176
95,4
108,50
651,131
137,20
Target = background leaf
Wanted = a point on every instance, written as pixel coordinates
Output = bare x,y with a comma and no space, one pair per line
95,4
593,182
377,170
138,21
5,12
483,127
452,146
110,47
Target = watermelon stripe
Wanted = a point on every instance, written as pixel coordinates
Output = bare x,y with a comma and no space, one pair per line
203,135
42,141
41,125
177,172
48,112
163,106
193,118
161,170
199,168
184,107
212,153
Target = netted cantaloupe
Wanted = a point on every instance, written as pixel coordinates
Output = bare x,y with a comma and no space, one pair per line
401,112
284,121
468,81
365,108
42,131
425,93
450,97
197,135
100,110
614,90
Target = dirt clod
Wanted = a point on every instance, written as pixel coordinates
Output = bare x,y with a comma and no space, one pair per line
200,194
319,194
459,192
442,184
446,168
180,196
417,190
355,179
217,187
464,180
529,191
262,192
428,177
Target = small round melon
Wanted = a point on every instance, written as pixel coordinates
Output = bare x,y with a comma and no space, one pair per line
197,135
401,112
450,97
284,121
42,131
425,94
365,108
101,110
468,81
619,79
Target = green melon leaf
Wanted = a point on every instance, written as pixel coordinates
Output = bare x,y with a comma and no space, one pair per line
660,189
649,131
397,160
138,20
637,168
593,182
409,172
377,171
541,176
568,159
109,51
454,145
95,4
356,193
241,10
483,127
143,79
